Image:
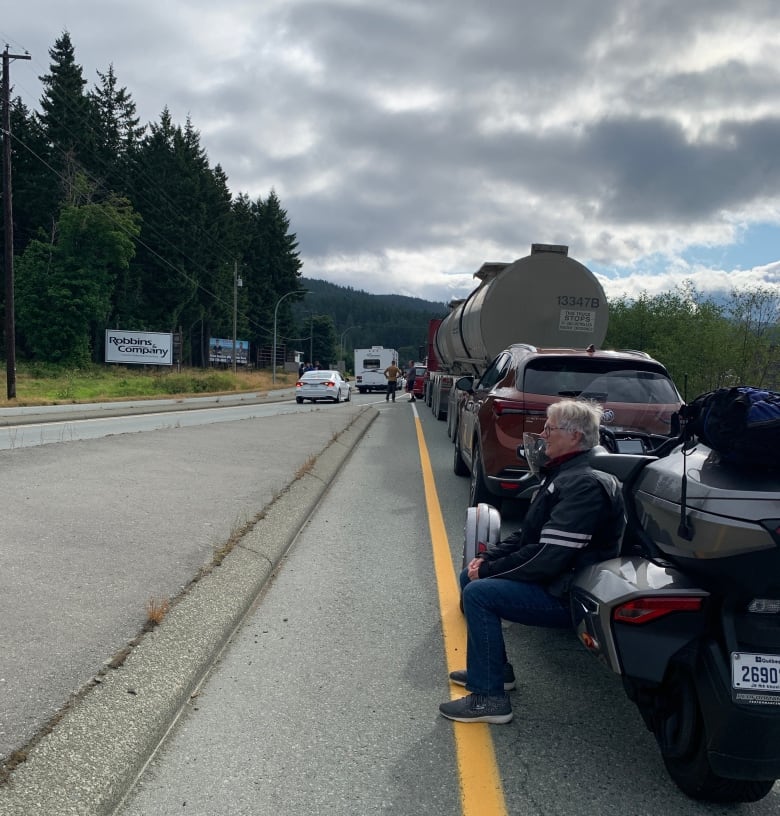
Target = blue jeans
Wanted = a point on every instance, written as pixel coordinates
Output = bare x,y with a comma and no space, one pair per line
486,602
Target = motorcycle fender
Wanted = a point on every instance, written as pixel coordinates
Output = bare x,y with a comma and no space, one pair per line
639,651
743,741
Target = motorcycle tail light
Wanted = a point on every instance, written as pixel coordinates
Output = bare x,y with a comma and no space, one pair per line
764,606
773,526
644,610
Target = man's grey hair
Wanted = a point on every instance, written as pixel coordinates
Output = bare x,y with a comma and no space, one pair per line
578,415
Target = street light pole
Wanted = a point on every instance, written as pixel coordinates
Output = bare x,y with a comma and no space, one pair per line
276,311
341,342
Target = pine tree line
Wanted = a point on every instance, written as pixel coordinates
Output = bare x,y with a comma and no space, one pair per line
117,225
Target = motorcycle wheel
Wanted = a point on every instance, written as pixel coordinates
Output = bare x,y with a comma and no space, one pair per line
682,740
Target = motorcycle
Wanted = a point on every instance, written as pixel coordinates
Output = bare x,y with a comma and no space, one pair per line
688,614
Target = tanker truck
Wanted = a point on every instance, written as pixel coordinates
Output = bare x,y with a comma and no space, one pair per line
544,299
527,336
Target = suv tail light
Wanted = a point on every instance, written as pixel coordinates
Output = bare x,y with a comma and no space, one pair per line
504,406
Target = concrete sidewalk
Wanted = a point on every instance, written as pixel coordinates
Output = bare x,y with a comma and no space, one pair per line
101,738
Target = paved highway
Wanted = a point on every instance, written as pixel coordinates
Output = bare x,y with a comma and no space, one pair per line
325,698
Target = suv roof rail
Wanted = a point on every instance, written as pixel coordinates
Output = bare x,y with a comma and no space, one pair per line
526,346
635,351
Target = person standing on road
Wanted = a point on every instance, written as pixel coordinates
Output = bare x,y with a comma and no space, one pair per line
392,373
576,518
410,374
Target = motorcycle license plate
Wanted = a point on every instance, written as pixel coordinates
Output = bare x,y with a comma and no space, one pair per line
755,672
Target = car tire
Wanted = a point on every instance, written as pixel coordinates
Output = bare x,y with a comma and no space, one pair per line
452,424
337,398
459,467
299,400
478,491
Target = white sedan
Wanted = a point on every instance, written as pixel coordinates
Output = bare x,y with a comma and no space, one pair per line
322,385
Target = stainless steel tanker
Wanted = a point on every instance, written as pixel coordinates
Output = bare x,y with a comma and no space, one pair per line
546,299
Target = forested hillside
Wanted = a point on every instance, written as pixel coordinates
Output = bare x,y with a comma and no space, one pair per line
362,319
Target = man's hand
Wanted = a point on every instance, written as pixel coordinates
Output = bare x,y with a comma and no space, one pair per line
473,568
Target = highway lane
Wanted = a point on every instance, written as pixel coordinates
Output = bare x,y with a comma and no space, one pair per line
94,528
31,427
326,700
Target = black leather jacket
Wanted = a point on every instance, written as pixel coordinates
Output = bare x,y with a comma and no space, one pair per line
576,518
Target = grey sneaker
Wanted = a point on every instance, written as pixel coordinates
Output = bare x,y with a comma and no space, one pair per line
459,677
478,708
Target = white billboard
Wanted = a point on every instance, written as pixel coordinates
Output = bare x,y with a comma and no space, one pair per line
134,347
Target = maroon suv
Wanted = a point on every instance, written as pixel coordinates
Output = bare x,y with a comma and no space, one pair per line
512,397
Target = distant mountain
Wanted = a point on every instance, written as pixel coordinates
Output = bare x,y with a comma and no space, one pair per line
392,321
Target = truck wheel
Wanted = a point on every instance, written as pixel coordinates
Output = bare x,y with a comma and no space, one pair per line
479,490
679,731
458,465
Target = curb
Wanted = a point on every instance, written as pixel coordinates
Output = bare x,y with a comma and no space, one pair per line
97,751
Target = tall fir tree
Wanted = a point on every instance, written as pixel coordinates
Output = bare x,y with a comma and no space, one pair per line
117,132
66,119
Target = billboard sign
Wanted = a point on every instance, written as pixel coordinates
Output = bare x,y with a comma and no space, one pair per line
139,348
221,351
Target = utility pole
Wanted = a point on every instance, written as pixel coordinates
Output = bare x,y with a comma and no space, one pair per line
236,283
10,323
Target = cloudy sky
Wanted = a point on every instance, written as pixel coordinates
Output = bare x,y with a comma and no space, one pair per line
410,141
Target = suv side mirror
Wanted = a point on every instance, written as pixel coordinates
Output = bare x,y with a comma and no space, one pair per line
464,383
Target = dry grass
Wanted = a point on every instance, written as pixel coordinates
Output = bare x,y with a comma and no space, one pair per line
305,467
156,610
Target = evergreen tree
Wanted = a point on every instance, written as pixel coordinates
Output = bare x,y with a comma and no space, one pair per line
117,134
34,185
65,117
273,269
65,287
165,194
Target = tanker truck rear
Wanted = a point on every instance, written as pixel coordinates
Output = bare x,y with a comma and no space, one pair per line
527,336
544,299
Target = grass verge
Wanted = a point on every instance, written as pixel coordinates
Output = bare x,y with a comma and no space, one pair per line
41,384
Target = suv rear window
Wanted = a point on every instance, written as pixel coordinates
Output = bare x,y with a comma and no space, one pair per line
601,380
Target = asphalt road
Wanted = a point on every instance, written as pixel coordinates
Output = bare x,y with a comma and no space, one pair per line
324,700
95,529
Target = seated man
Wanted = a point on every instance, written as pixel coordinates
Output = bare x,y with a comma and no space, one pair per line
576,518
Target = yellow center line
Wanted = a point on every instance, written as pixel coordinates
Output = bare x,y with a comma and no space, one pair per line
480,783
